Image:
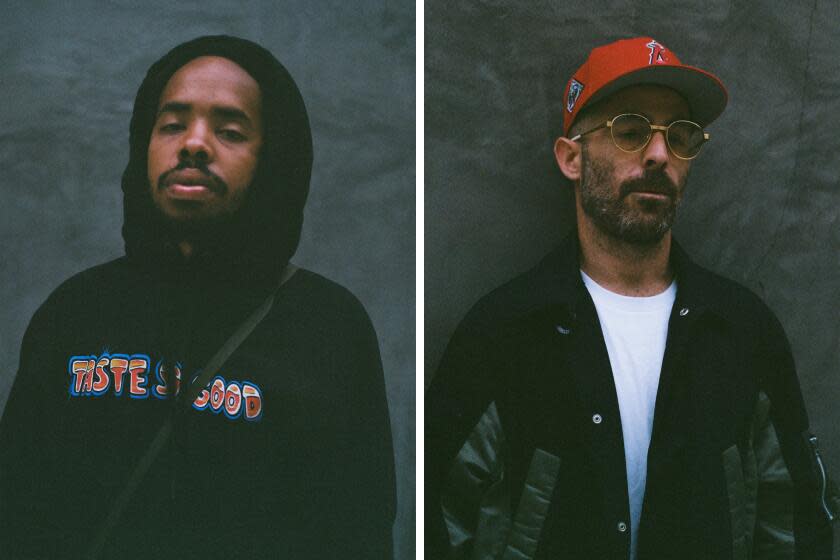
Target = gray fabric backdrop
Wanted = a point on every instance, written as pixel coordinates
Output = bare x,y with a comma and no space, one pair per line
68,77
761,205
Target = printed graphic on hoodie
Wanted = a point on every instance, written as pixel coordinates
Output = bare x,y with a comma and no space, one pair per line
132,375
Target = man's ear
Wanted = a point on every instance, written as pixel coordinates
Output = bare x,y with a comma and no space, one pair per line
567,154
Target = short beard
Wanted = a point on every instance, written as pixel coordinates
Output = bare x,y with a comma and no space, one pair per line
609,211
204,229
201,228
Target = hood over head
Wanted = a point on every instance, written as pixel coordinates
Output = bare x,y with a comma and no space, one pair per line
262,235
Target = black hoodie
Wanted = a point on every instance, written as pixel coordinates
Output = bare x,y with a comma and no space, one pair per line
288,452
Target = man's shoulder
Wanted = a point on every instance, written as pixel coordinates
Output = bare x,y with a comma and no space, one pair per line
72,299
311,309
79,288
546,283
730,299
313,293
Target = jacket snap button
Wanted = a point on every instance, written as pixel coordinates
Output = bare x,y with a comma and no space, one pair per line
683,311
622,527
596,419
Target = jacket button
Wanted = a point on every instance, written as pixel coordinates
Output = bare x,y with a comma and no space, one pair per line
683,311
563,330
622,527
596,419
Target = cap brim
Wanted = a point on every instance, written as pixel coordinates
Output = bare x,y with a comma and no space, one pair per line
704,92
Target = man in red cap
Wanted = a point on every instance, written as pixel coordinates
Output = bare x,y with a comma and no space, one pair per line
618,401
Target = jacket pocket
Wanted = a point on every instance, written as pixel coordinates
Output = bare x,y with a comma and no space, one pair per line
533,506
737,495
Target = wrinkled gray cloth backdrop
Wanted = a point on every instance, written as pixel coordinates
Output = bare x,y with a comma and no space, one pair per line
762,200
68,77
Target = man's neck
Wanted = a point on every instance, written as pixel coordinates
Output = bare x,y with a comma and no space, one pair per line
629,269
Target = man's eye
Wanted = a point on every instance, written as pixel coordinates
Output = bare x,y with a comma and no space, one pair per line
171,127
231,135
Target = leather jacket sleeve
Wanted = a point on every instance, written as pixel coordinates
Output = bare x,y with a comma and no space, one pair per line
793,499
461,391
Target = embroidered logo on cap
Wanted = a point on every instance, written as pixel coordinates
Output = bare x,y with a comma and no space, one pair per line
657,53
574,92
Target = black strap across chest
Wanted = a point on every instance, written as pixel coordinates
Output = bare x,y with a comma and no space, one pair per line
159,441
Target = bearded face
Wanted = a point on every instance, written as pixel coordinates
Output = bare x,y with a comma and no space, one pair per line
205,144
638,211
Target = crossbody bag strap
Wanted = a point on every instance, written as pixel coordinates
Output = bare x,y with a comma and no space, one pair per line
232,343
162,436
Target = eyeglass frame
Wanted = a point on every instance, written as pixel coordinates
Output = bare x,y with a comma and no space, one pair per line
653,128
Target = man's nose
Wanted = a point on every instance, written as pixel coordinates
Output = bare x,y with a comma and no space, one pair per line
656,152
196,143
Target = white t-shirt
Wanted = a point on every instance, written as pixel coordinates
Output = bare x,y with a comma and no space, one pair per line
635,330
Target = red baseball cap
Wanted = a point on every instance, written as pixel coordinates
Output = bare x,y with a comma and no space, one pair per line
642,60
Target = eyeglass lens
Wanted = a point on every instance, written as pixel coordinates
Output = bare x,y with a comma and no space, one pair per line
632,132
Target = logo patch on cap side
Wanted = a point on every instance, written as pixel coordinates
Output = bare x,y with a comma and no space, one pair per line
574,92
657,53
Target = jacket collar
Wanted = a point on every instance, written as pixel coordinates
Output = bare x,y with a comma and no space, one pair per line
557,281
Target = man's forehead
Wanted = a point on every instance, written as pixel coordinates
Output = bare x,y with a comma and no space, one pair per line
212,79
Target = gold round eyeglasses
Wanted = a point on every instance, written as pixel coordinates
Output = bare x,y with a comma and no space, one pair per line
631,133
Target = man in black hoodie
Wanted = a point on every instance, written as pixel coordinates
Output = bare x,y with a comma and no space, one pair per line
286,452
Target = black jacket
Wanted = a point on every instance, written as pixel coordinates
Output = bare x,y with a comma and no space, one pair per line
519,466
288,454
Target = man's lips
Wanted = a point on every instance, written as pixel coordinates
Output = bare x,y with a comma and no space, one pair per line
188,192
654,188
188,177
653,194
189,184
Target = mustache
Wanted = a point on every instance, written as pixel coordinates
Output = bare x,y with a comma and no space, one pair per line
212,181
654,181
